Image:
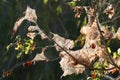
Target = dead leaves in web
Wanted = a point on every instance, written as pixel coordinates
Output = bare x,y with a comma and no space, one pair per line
31,35
109,11
41,56
69,66
84,57
92,32
63,42
17,24
78,11
35,30
91,51
30,15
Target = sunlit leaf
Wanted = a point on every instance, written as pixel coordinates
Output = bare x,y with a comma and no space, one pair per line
72,3
59,10
109,50
45,1
114,55
85,21
18,38
31,41
27,49
8,47
96,65
19,55
19,46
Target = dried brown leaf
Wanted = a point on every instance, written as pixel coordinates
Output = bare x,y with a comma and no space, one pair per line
110,11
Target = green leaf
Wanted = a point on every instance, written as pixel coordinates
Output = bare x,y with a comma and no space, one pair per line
72,3
18,38
113,29
96,65
114,55
109,50
84,22
30,41
59,10
97,79
19,55
99,72
45,1
8,47
27,49
20,46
